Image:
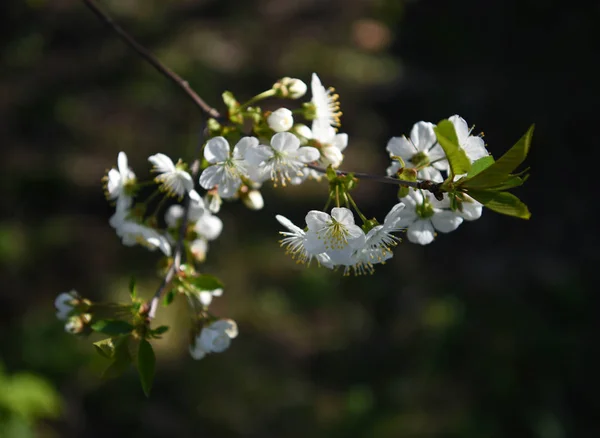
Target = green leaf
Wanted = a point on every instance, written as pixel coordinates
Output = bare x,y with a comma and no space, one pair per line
160,330
501,202
480,165
112,327
132,291
204,282
121,358
169,297
105,348
512,182
146,365
448,140
500,171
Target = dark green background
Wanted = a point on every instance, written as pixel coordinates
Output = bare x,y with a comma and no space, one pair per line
489,332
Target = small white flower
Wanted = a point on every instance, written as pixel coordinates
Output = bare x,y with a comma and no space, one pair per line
295,240
380,240
327,106
283,159
196,210
424,215
64,304
133,233
119,180
208,226
337,235
421,151
213,201
281,120
173,179
253,200
293,88
471,209
473,145
227,169
205,297
215,338
330,144
199,248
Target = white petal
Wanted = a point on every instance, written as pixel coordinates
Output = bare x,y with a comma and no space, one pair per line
340,141
285,142
315,220
173,215
209,226
423,136
216,150
461,128
475,148
401,147
446,221
211,176
258,154
421,232
307,154
471,210
394,215
122,164
242,146
342,215
356,237
162,163
196,352
289,225
114,183
227,326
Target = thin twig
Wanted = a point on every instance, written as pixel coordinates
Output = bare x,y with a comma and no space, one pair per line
144,53
431,186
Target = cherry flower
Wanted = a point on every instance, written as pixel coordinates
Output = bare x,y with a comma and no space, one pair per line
172,178
337,235
380,240
295,243
420,151
226,169
215,338
133,233
291,88
120,182
424,215
330,144
65,304
283,159
473,145
327,106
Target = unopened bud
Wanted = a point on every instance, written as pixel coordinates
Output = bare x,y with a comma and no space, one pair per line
280,120
253,200
290,88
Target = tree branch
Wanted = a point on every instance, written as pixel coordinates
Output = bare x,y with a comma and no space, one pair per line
150,58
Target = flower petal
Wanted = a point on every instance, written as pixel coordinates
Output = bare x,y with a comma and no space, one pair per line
342,215
211,176
446,221
122,164
242,146
315,220
216,150
401,147
421,232
307,154
285,142
423,136
161,163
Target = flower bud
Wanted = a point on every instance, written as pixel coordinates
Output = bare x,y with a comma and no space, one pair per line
280,120
214,338
302,130
213,201
198,248
76,324
253,200
290,88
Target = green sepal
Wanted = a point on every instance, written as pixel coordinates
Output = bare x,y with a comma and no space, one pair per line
501,202
146,364
406,174
112,327
399,160
403,192
500,171
448,140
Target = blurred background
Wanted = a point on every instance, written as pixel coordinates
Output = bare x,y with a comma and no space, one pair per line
489,332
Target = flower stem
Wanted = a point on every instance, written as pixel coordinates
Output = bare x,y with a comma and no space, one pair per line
257,98
355,207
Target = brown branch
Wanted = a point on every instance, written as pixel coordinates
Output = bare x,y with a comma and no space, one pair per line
151,59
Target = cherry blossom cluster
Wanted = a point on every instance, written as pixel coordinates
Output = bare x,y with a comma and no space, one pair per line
440,171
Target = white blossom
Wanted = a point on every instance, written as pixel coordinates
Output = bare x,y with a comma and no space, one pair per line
294,88
337,235
226,168
327,107
208,226
330,144
205,297
473,145
253,200
283,159
215,338
421,151
424,215
64,304
133,233
172,178
196,210
281,120
295,239
380,240
119,180
471,209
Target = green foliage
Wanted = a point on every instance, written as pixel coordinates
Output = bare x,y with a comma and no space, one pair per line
112,327
480,165
502,202
448,140
232,107
203,282
146,362
132,289
119,355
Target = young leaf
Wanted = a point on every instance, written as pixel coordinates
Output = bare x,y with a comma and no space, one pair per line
501,202
169,297
105,348
112,327
146,365
499,172
160,330
205,282
480,165
132,291
121,358
448,140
